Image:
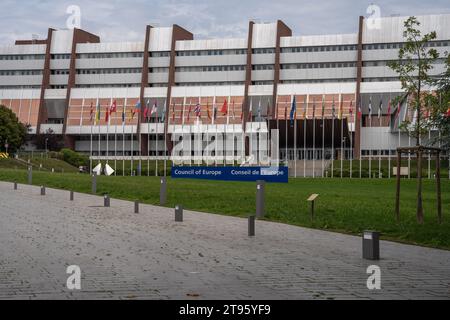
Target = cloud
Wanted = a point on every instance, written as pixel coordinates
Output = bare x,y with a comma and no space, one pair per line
120,20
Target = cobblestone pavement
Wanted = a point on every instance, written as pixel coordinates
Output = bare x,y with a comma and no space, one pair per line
123,255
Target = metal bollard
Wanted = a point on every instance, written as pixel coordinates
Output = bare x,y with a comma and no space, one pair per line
163,192
94,183
71,195
106,201
136,207
371,245
179,213
260,189
15,185
42,191
251,226
30,175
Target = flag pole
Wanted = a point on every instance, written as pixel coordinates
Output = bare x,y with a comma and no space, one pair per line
90,158
351,117
124,117
341,116
295,136
380,123
157,141
305,110
370,151
286,118
333,110
108,110
314,138
323,136
115,145
166,131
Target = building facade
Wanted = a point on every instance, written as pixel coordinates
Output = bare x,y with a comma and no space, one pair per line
60,83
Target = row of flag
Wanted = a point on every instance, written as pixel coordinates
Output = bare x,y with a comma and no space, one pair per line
151,111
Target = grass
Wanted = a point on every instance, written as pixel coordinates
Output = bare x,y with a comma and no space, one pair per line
36,162
375,168
347,206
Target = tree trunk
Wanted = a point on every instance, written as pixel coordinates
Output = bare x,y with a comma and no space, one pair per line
419,187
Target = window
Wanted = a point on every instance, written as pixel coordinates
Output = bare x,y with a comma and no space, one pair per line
109,55
23,57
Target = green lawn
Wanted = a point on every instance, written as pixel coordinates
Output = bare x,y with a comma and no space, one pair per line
347,205
375,168
36,162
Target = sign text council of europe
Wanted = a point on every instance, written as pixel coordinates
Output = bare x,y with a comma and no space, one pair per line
268,174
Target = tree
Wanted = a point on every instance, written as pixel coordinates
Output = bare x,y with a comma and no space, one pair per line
415,60
12,131
440,112
48,141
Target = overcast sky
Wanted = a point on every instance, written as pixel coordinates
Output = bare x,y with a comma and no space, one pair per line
120,20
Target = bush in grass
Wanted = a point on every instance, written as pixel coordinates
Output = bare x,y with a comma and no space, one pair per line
74,158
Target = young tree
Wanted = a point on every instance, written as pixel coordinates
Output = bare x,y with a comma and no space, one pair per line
440,112
415,60
12,132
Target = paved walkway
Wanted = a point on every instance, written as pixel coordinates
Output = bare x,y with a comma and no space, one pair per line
148,256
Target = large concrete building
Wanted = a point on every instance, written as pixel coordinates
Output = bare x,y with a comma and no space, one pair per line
53,84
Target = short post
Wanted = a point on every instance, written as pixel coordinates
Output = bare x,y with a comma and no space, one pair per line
30,175
251,226
71,196
397,192
438,186
312,199
136,207
94,183
106,201
53,170
371,245
260,188
42,191
179,213
15,185
163,192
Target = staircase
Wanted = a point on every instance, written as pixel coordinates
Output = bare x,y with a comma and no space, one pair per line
311,169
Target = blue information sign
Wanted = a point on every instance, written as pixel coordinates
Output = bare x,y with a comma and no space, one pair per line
268,174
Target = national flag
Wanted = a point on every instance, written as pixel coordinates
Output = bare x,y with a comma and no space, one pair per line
233,111
173,112
341,110
224,109
107,114
380,109
250,111
198,110
305,108
259,110
370,107
360,108
92,113
154,110
293,111
113,108
163,116
124,111
207,110
137,109
147,109
214,111
242,112
97,114
323,107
